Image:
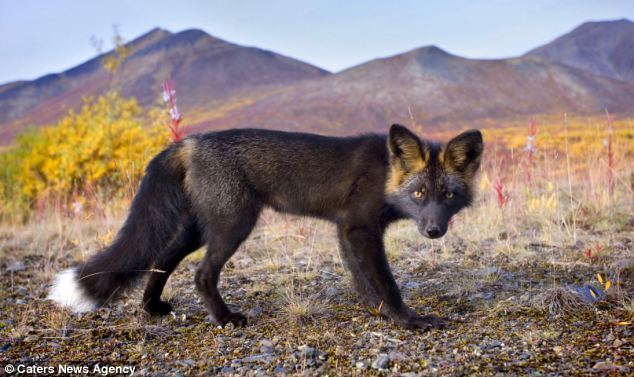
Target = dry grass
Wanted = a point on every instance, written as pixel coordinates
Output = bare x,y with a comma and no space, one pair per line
498,272
298,306
628,306
561,301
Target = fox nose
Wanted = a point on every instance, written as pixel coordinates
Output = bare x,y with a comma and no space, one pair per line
433,231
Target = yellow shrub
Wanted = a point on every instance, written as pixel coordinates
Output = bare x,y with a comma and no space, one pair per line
104,146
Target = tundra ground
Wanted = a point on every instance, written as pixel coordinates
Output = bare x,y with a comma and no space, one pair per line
509,290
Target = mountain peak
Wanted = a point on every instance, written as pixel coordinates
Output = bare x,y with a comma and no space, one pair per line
601,47
607,23
156,31
193,34
208,69
431,56
600,27
431,52
151,36
432,49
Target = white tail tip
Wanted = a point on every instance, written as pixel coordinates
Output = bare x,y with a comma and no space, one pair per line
67,292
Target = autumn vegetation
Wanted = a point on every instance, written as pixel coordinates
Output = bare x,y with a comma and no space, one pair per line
550,234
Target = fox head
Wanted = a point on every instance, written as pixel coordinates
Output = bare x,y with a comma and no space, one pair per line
429,182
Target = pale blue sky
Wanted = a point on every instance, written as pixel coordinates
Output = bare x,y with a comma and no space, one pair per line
44,36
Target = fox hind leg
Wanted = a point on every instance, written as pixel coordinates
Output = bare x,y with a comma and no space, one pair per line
224,236
187,240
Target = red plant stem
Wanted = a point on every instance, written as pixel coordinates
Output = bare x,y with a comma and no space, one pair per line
169,96
502,197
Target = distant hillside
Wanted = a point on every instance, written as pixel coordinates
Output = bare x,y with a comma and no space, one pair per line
222,85
604,48
439,89
206,70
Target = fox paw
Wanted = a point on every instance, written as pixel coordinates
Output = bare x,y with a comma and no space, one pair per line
238,319
158,307
425,323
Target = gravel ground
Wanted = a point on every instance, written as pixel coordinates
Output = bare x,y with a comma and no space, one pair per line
304,318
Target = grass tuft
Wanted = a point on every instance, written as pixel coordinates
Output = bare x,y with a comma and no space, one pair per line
297,306
560,301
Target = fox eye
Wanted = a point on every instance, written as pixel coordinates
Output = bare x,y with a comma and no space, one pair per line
449,194
419,193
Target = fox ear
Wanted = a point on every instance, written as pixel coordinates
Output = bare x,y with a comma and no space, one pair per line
462,154
406,149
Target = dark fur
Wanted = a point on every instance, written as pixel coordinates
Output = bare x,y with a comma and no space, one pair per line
210,189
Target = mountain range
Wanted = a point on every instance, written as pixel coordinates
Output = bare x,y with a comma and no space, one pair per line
223,85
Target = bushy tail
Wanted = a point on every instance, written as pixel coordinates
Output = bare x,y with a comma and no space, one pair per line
156,211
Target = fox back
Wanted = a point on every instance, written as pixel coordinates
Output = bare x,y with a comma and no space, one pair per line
292,172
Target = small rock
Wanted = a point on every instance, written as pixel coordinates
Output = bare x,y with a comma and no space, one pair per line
411,285
16,266
605,365
255,311
396,356
31,338
227,370
266,342
331,292
307,351
279,370
590,294
617,343
266,346
487,271
477,351
381,362
264,358
558,349
187,362
359,365
484,295
525,297
493,344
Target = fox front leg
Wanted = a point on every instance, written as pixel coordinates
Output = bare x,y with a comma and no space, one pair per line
363,251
